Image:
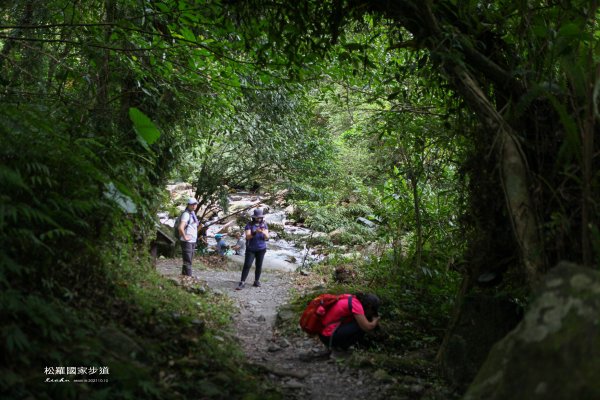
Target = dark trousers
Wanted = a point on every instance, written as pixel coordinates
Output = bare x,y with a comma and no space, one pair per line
259,255
344,336
187,252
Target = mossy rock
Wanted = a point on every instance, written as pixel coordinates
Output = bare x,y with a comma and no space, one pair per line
555,351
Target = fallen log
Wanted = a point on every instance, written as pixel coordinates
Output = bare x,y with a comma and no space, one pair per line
238,212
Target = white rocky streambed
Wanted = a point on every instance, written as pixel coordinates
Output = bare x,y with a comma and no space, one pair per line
283,254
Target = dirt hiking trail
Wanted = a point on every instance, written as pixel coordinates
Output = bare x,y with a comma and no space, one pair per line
295,363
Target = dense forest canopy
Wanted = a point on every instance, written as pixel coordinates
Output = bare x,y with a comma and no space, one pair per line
465,129
524,70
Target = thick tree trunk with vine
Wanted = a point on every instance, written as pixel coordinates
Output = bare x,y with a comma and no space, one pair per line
514,172
514,175
419,18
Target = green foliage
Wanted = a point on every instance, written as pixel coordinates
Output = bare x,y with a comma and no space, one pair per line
40,211
416,304
265,139
69,271
143,126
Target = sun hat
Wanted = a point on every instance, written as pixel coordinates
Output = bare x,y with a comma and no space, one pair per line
258,213
192,200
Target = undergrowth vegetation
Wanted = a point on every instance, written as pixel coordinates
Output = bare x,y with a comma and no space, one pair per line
415,304
79,290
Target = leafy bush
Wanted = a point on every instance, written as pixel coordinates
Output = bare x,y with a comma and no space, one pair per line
418,303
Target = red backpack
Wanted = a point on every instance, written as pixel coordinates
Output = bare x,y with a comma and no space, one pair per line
311,320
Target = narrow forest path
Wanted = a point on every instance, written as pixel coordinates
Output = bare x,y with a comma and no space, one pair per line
292,362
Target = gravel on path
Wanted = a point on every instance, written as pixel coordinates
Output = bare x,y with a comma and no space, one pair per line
296,363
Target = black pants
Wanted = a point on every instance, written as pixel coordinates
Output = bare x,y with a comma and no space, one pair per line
187,252
344,336
249,259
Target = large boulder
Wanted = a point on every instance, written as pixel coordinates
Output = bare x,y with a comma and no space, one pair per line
291,210
554,352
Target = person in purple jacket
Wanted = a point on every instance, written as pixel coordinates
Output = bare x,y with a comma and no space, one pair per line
257,234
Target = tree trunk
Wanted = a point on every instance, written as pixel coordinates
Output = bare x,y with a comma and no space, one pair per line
587,143
514,174
587,152
586,195
102,112
416,205
398,245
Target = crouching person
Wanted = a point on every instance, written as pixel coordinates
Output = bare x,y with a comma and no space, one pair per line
221,247
347,321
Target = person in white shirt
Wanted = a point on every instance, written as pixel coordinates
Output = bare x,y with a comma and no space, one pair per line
188,234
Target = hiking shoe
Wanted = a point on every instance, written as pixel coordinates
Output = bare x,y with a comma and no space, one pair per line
256,284
240,286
